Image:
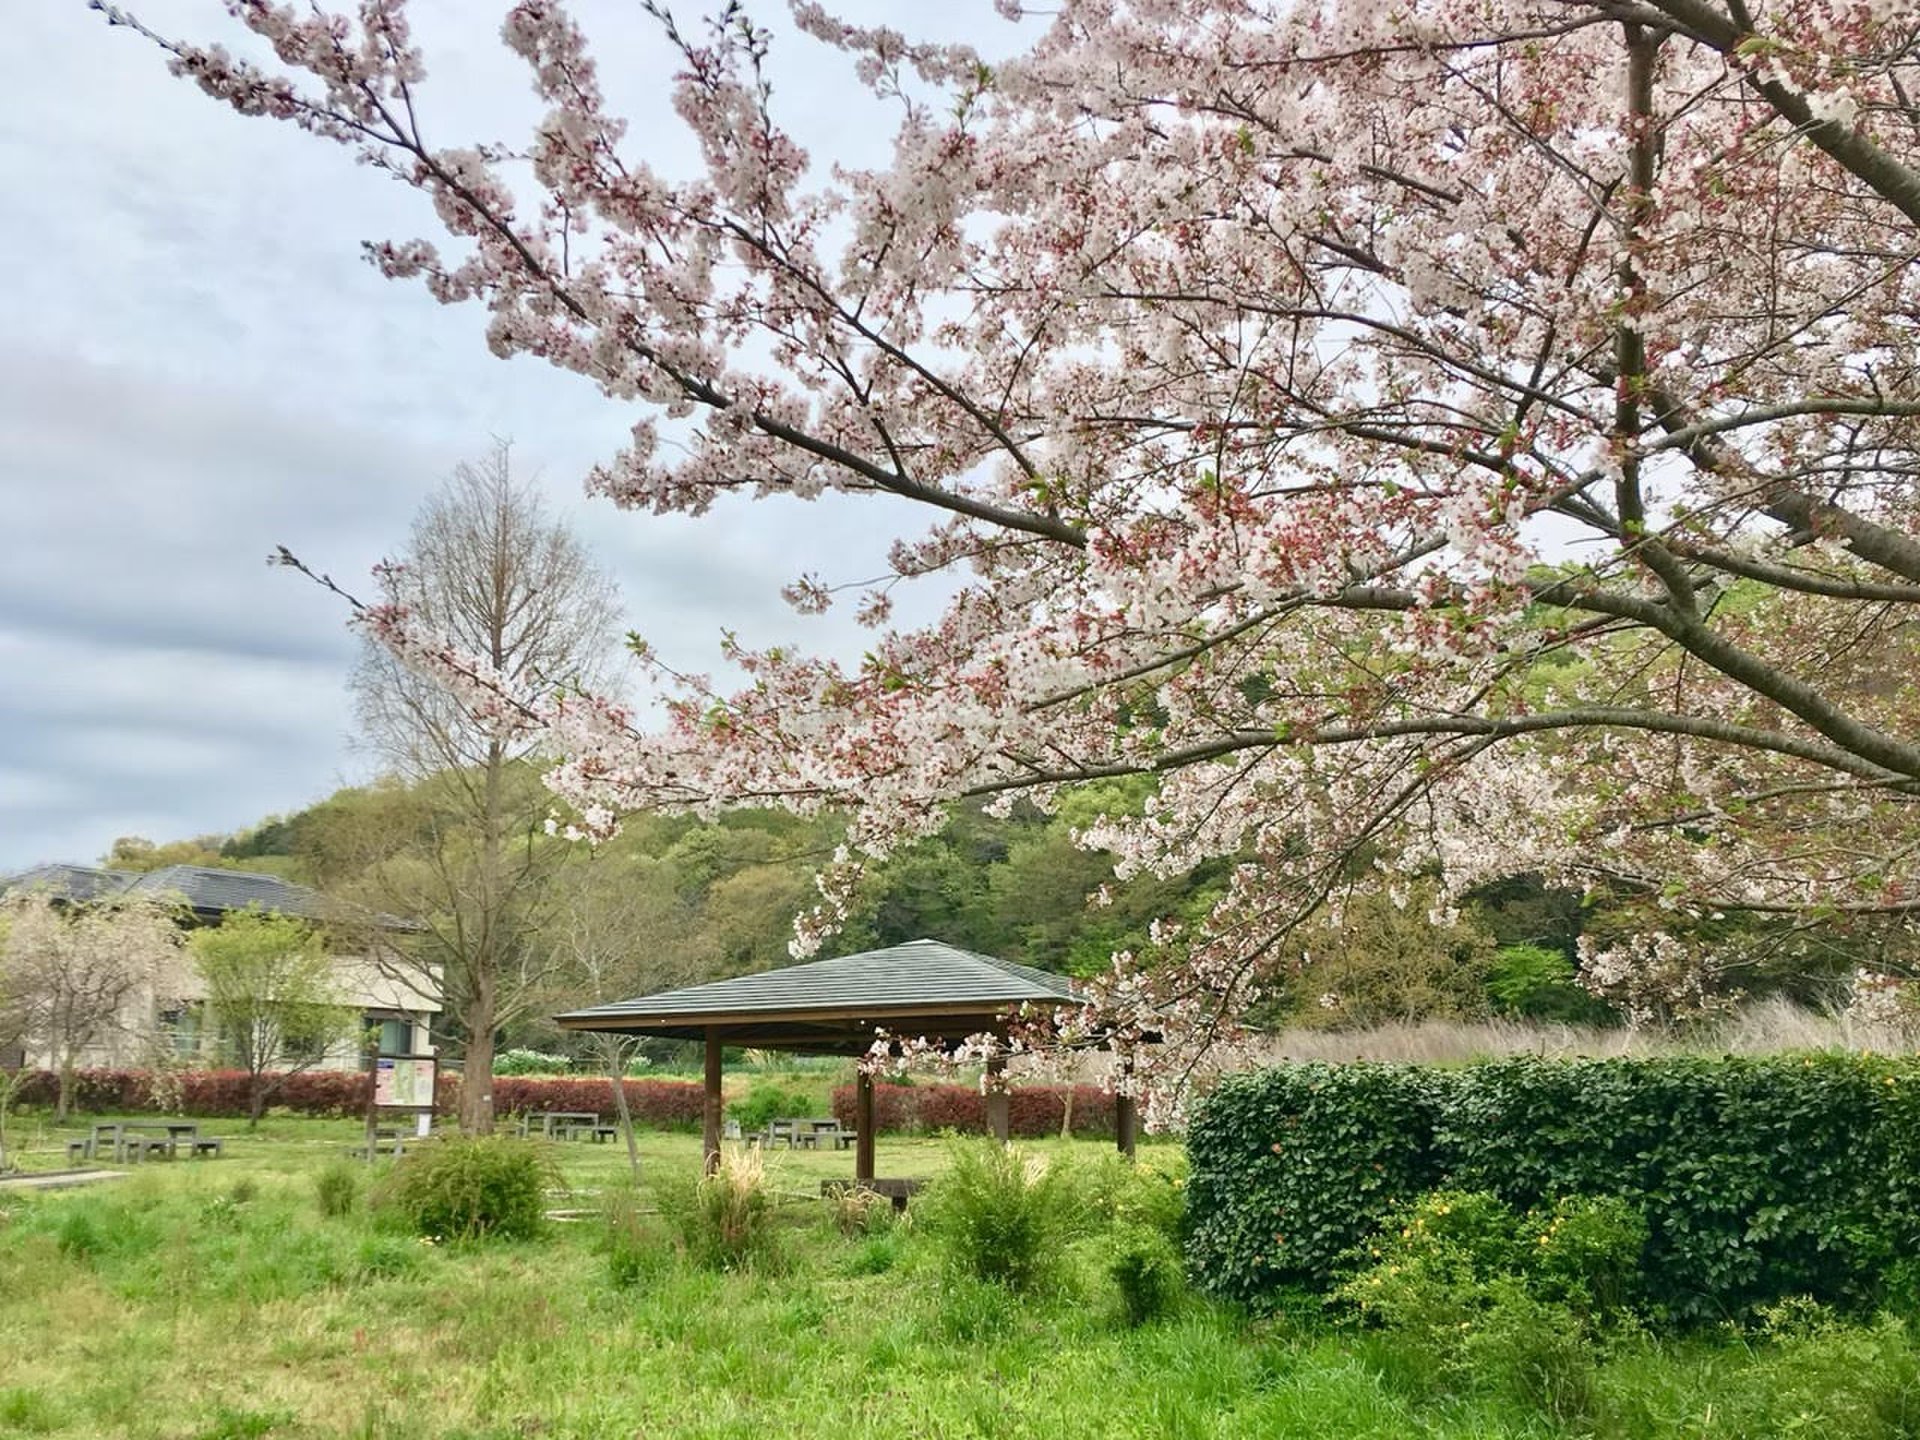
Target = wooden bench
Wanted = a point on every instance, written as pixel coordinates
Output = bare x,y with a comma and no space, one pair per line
383,1145
143,1147
78,1150
210,1147
605,1132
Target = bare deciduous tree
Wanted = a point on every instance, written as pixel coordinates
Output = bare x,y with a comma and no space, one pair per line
619,934
508,585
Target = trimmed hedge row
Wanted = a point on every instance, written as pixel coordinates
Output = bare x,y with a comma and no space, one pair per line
656,1104
1758,1178
661,1104
1033,1111
331,1093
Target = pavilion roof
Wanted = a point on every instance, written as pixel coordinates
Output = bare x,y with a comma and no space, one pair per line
923,987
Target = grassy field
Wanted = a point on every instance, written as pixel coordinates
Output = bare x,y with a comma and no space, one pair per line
215,1300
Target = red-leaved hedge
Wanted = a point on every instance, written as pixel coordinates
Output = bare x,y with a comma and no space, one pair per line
660,1104
1032,1110
216,1092
656,1104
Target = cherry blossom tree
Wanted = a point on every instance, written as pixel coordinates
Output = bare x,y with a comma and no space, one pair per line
74,975
1434,437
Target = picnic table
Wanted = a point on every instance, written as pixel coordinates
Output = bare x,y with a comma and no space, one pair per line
122,1140
386,1141
805,1133
567,1125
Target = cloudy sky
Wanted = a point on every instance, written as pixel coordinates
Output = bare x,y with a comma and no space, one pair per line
196,366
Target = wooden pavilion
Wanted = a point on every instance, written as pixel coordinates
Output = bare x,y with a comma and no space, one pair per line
839,1007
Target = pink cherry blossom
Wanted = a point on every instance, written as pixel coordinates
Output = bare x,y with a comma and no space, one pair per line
1441,437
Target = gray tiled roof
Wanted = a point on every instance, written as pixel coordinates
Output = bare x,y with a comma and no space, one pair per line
918,973
210,891
204,890
69,882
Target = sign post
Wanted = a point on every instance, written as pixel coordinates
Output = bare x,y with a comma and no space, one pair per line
402,1083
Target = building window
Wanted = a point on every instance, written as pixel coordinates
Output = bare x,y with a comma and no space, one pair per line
180,1030
396,1037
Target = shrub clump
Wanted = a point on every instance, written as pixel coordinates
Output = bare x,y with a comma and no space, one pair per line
1477,1296
1034,1112
470,1188
1002,1215
1144,1266
336,1186
1451,1254
764,1102
1295,1166
631,1250
656,1104
723,1220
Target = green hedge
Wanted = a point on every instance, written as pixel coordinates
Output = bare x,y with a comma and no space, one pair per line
1757,1178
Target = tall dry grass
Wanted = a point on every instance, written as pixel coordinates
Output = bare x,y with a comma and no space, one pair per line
1762,1028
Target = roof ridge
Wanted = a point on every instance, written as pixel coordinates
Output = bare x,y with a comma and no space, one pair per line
870,981
224,870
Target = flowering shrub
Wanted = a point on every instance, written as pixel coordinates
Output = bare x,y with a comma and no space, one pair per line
1033,1111
1479,1297
1755,1178
1446,1257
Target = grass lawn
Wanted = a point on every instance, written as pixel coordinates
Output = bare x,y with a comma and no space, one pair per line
213,1299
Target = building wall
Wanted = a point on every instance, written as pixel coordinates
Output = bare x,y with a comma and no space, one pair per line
150,1028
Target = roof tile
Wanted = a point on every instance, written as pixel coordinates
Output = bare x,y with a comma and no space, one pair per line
918,973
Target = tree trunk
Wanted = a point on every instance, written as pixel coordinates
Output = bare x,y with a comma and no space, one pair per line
476,1088
617,1068
10,1083
256,1102
1066,1112
476,1075
63,1099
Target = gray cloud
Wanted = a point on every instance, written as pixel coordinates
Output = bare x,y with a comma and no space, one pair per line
195,366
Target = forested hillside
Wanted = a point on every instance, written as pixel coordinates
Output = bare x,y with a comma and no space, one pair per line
673,900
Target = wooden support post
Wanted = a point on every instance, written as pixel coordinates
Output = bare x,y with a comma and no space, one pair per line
1126,1124
1126,1119
863,1126
710,1118
997,1097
